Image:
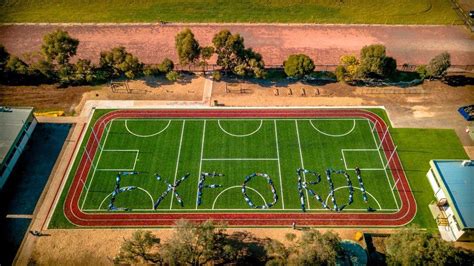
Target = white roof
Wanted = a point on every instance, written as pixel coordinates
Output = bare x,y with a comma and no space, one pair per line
11,124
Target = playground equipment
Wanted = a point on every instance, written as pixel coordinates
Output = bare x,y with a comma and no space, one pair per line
118,86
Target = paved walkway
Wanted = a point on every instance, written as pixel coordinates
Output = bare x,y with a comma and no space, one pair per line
52,189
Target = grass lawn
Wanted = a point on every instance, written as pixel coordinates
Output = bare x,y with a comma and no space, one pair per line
416,147
284,11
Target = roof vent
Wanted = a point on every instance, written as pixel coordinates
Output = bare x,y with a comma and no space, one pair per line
467,163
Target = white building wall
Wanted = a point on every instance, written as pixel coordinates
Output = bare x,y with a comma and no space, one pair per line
19,149
439,194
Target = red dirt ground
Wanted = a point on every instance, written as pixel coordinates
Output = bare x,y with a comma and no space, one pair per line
402,217
324,43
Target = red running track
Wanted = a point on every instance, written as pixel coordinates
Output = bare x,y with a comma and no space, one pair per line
403,216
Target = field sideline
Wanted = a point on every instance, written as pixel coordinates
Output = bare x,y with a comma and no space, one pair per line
404,215
253,11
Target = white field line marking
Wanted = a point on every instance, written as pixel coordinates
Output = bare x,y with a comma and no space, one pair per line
116,169
144,190
238,119
149,135
279,167
177,161
239,135
380,207
314,210
365,169
335,135
98,161
200,161
344,159
218,195
240,159
136,159
385,169
301,159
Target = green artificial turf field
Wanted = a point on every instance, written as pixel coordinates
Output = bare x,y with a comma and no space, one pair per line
236,148
284,11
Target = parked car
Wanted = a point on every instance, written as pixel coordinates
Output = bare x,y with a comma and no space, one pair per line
471,13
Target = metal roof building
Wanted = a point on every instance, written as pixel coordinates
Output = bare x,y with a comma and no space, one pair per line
453,185
16,126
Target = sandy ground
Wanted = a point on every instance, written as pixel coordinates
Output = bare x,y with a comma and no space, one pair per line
72,99
324,43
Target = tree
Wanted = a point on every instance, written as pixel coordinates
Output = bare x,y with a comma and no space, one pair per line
341,73
166,66
187,46
16,71
206,54
438,66
277,253
233,56
194,244
351,65
4,56
142,247
314,248
59,47
84,72
119,63
298,65
389,67
414,247
44,71
229,49
371,60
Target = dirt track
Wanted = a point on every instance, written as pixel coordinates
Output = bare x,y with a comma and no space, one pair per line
324,43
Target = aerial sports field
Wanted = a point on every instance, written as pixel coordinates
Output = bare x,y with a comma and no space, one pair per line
247,167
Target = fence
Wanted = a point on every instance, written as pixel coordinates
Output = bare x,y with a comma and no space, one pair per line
328,67
463,14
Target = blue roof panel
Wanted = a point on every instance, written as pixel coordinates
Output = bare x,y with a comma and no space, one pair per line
459,182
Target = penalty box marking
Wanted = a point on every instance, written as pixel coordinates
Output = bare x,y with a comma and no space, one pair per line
137,152
359,150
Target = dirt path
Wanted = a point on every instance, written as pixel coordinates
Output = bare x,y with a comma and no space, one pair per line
324,43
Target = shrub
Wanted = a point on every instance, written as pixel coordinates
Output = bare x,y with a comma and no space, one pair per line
341,73
151,70
166,66
298,65
216,75
120,63
172,76
389,67
439,65
422,71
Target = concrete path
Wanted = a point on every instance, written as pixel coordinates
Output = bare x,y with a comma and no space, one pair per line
207,92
